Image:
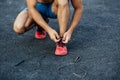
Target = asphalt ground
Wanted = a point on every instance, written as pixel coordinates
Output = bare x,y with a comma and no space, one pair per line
94,50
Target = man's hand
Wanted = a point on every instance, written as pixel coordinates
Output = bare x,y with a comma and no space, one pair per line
54,35
66,37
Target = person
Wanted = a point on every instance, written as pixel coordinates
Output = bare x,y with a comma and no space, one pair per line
37,13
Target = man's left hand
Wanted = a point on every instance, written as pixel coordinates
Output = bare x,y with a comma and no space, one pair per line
66,37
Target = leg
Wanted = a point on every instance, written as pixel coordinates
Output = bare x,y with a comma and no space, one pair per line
63,14
61,8
23,22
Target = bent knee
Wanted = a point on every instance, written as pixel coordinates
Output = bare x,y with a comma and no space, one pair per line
63,2
19,29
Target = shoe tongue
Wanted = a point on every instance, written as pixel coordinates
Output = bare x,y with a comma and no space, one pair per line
60,43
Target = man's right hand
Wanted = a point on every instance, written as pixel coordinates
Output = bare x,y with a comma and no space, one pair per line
54,35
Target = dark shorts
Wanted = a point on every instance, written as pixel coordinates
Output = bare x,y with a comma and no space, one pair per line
45,9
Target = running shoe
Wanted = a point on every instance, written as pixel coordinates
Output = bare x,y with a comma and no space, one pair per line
61,49
40,34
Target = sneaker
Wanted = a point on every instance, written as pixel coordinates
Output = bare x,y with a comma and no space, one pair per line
40,34
61,49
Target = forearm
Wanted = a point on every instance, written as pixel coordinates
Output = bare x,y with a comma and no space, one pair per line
75,19
36,15
39,19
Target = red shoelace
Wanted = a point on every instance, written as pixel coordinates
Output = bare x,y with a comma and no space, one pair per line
60,43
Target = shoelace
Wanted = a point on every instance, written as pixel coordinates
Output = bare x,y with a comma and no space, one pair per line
60,43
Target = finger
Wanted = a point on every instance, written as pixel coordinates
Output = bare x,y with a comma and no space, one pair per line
66,40
55,40
57,36
64,37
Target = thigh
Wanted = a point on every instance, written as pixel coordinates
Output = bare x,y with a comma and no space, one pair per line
23,20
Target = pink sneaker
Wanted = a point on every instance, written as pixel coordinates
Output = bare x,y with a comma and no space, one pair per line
61,49
40,34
